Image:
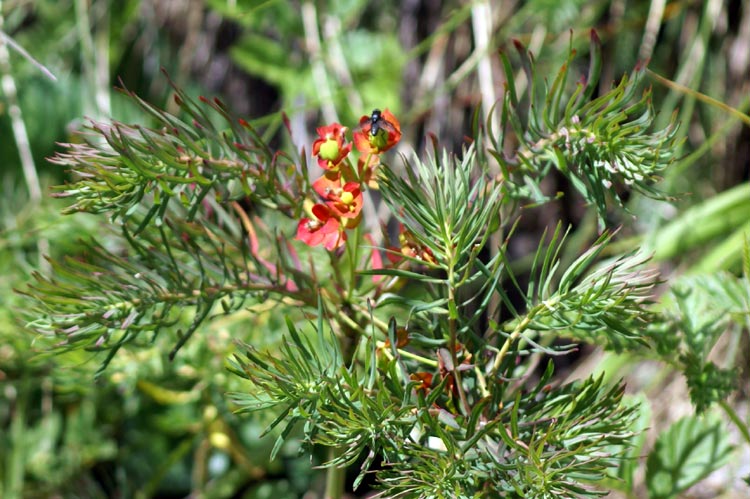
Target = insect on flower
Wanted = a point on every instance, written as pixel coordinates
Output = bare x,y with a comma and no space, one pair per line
377,132
378,122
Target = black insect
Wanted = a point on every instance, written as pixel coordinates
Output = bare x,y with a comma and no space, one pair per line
376,122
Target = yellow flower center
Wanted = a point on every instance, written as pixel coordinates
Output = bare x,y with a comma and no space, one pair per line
347,197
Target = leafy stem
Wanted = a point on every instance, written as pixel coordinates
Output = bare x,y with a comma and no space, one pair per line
517,331
453,333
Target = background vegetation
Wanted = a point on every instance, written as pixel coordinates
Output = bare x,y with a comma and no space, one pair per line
150,426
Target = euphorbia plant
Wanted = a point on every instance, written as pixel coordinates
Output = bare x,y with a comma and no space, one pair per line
425,359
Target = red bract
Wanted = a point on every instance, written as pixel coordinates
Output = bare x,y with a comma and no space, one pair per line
324,229
376,260
423,379
345,202
327,184
388,134
331,148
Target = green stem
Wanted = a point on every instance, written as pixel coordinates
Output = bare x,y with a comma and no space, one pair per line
453,331
342,317
407,354
352,248
550,304
378,323
736,420
508,342
335,477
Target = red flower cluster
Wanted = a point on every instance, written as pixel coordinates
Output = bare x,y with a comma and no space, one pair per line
341,185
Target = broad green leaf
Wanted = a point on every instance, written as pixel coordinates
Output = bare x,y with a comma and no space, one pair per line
687,452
